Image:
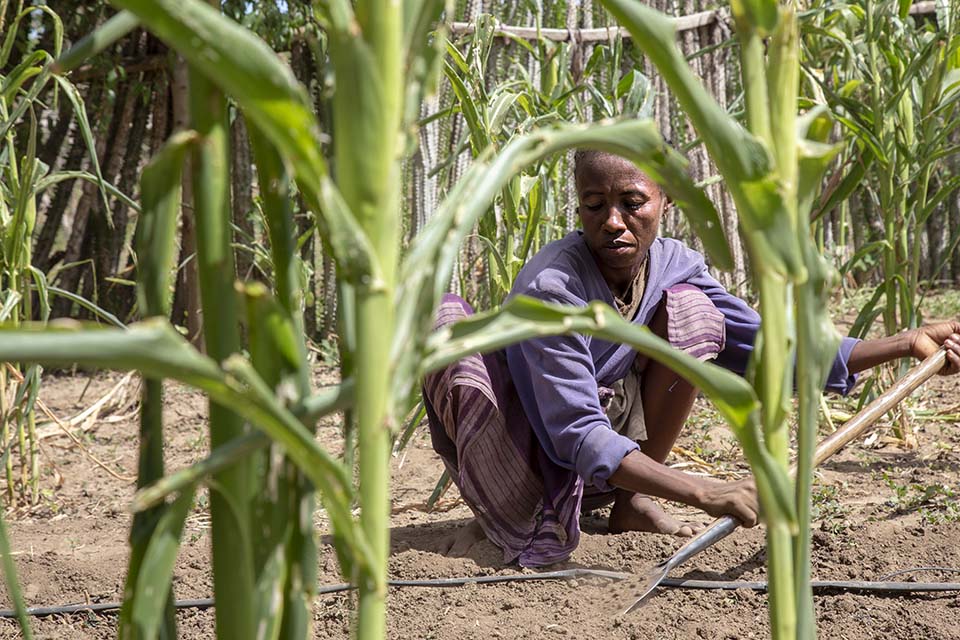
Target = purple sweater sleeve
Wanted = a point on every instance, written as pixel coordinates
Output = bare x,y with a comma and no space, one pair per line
742,324
556,382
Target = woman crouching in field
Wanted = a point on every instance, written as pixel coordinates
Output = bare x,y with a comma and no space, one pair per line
556,425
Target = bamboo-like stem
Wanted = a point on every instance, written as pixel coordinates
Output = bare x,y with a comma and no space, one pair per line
784,81
816,344
753,71
5,421
230,503
770,90
297,508
775,368
881,130
781,595
773,363
149,469
374,313
374,197
906,217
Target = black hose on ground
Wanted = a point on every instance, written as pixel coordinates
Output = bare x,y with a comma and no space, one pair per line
566,574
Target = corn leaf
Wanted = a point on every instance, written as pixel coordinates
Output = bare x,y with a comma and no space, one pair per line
426,271
93,43
93,308
323,402
157,228
742,158
423,52
43,292
270,97
154,348
523,318
80,111
59,176
738,154
12,28
149,600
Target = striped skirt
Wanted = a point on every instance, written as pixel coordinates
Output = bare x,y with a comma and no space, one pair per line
525,503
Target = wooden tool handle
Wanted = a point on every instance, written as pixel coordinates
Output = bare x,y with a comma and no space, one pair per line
852,429
857,425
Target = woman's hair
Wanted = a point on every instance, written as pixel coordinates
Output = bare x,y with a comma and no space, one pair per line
581,155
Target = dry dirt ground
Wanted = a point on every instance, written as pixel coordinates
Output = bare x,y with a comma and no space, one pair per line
881,508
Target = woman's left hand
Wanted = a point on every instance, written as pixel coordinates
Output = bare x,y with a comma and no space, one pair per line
925,340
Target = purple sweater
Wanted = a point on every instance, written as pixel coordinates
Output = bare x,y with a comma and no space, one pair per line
557,377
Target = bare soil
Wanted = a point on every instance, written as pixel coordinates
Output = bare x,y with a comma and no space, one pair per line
881,508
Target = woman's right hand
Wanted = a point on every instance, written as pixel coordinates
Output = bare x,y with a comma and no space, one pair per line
737,499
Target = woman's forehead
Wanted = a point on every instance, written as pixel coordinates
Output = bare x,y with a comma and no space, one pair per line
607,169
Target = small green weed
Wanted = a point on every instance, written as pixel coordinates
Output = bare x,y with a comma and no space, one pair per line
936,502
828,509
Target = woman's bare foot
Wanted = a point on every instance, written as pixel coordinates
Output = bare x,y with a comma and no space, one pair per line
637,512
462,541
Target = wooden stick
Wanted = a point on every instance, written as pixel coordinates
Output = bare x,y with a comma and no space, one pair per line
858,425
683,23
851,430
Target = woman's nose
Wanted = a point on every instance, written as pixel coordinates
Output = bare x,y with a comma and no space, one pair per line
614,220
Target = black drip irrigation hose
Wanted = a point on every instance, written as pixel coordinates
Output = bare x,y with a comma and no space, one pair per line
566,574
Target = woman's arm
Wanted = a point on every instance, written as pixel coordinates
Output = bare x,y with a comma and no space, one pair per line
918,343
641,474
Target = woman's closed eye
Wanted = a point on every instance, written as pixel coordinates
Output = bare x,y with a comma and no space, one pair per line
593,206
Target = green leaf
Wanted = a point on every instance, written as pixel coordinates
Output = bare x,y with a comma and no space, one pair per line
12,28
270,97
814,156
150,594
59,176
424,53
849,87
27,68
10,572
479,137
501,274
11,298
847,185
426,271
95,309
80,111
738,155
157,229
93,43
523,318
219,459
158,351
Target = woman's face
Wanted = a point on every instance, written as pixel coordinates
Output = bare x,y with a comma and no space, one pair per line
620,209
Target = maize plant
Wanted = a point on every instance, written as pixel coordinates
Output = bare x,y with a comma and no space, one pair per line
265,465
772,168
894,87
25,292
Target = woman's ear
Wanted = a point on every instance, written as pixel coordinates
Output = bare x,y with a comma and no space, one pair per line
667,202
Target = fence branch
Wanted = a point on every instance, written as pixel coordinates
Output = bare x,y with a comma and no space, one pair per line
683,23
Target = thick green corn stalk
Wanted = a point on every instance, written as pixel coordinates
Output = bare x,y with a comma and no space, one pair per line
156,242
231,500
281,359
368,61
